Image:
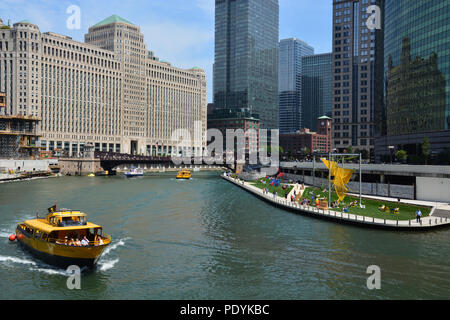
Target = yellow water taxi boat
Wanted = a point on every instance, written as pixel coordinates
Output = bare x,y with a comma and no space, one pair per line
63,238
184,174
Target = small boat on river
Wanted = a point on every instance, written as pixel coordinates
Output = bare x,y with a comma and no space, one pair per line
184,174
134,172
63,238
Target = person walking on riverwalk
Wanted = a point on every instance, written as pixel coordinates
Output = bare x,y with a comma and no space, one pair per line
418,216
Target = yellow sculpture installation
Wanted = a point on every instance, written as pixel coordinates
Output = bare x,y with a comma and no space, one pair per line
341,178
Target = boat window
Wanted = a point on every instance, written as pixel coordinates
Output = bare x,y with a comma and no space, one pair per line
28,230
44,236
37,234
52,237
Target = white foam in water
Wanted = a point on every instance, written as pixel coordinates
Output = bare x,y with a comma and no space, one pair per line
114,246
51,271
16,260
108,264
4,234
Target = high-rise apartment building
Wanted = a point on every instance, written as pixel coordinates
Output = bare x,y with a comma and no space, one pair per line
291,52
246,58
417,78
316,88
357,73
110,91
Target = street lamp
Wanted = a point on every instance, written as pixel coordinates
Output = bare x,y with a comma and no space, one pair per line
391,150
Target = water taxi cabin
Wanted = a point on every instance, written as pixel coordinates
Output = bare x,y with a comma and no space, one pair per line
184,174
61,227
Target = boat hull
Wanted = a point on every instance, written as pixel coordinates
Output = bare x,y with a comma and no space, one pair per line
61,255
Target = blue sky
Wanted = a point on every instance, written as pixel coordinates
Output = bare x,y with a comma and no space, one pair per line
179,31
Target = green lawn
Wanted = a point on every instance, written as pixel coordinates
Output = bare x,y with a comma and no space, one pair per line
281,192
407,211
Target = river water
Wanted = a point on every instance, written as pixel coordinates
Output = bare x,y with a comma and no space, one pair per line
208,239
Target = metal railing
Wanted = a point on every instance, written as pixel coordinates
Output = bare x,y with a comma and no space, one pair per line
432,221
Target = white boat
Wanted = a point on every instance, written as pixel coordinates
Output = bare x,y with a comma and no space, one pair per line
134,172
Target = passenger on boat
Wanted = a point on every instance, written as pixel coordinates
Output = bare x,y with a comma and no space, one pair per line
78,243
84,242
100,241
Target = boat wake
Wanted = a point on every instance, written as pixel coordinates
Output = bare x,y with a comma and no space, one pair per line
9,261
114,246
4,234
6,259
107,264
60,272
103,263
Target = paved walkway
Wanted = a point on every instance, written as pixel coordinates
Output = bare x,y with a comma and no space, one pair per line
428,223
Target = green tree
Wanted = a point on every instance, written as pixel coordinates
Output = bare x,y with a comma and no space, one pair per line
269,149
426,149
349,149
365,154
443,157
401,155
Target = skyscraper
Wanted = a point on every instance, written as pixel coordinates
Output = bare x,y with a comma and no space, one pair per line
246,58
417,78
357,73
316,89
291,52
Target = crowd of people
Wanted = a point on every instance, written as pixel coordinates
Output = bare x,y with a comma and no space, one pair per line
75,242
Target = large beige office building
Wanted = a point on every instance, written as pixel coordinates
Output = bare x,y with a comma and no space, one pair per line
109,91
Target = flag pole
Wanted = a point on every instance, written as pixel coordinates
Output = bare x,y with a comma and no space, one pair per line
329,180
360,180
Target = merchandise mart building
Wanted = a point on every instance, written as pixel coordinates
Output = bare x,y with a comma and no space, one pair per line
108,91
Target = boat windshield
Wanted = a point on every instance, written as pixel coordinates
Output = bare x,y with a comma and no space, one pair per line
69,221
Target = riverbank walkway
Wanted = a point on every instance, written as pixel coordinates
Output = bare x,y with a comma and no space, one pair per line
428,223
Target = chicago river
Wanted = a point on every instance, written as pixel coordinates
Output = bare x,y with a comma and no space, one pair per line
207,239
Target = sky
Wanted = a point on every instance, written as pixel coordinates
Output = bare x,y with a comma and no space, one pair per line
178,31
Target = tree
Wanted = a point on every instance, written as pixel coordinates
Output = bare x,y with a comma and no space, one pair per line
443,157
426,149
269,149
349,149
401,155
365,154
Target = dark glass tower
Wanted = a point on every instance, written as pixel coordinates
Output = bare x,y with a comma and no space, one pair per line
246,58
416,76
291,52
316,89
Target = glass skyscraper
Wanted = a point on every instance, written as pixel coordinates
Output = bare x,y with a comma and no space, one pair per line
416,76
316,88
291,52
357,74
246,58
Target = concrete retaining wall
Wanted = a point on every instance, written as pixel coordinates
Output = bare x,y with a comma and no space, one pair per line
80,166
433,189
26,165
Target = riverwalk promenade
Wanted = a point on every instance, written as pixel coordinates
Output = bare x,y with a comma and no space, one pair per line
428,223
